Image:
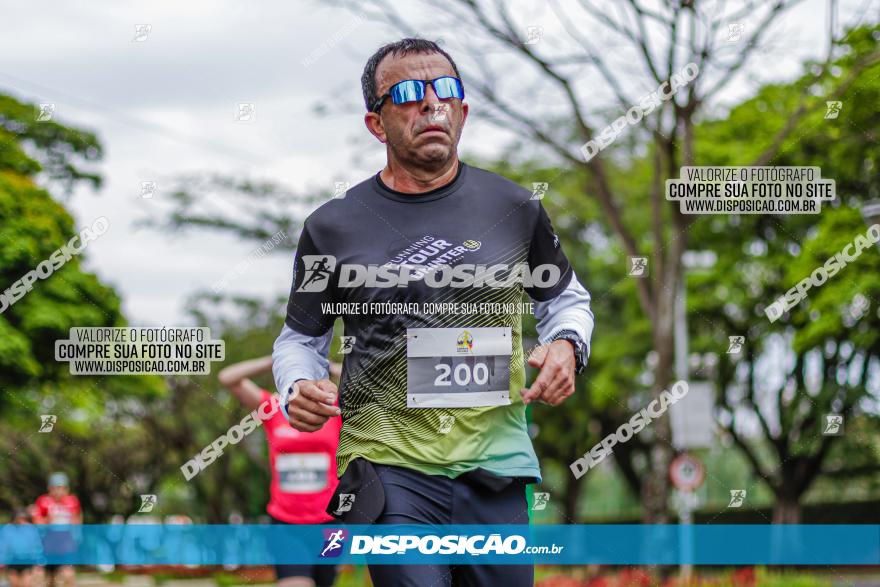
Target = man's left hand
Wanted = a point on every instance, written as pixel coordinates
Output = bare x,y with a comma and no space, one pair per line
555,382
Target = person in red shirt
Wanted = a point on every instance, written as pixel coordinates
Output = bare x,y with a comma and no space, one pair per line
59,506
303,465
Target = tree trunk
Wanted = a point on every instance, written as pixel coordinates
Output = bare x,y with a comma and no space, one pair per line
571,499
786,510
655,489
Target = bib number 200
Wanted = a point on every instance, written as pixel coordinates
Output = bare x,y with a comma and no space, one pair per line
463,374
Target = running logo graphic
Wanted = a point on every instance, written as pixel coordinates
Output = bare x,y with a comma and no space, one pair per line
346,500
737,498
346,344
141,32
541,501
45,112
148,189
47,422
340,188
446,424
734,32
638,266
735,344
833,425
333,541
539,189
440,111
148,502
832,109
247,112
533,35
318,269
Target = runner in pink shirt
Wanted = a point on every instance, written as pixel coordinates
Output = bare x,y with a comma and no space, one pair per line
303,466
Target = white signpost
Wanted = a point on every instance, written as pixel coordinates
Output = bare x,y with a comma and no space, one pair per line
687,474
692,418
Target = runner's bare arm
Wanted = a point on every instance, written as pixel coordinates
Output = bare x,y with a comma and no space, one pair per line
236,378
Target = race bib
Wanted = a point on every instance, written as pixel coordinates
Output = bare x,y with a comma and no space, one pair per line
458,367
302,472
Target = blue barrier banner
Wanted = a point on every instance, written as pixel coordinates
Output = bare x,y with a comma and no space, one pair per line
157,544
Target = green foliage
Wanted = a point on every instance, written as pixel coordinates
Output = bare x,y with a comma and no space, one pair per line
761,257
59,149
758,259
32,226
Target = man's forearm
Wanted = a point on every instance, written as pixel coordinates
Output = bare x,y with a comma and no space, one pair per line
299,356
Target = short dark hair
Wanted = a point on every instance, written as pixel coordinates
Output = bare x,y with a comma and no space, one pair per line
401,47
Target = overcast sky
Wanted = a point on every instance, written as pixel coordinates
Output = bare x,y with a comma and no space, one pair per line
166,105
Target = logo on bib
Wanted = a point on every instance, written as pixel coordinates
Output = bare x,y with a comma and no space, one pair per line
465,342
472,245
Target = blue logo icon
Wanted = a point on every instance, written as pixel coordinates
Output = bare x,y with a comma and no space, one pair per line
333,541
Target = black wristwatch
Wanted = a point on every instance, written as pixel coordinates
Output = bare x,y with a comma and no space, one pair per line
580,349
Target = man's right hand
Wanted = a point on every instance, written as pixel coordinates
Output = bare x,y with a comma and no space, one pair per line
311,404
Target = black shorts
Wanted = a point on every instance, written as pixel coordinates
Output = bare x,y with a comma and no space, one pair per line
412,497
322,575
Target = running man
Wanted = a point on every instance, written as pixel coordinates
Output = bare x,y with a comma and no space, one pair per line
59,506
303,466
432,403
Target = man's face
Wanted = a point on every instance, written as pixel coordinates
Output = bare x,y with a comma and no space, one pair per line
58,491
422,134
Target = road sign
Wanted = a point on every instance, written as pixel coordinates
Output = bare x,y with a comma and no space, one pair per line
686,472
692,417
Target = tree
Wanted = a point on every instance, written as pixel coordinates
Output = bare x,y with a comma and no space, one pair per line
33,383
835,330
722,301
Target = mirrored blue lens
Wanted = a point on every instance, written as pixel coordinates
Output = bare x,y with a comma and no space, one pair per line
408,91
448,87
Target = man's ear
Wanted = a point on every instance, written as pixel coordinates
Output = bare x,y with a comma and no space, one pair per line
375,126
